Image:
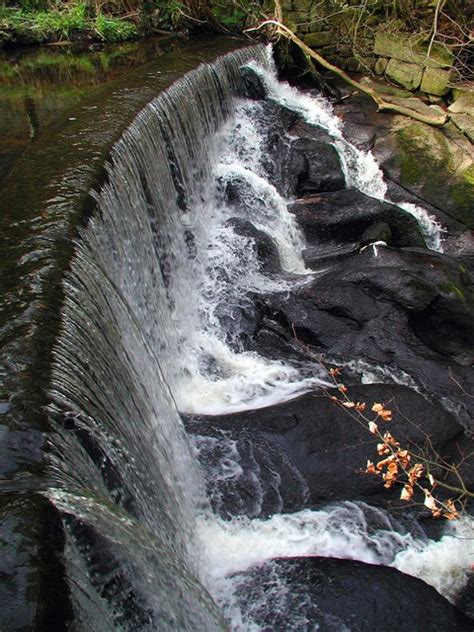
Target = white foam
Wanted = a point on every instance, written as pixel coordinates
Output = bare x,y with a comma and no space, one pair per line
341,531
446,564
360,168
245,381
347,530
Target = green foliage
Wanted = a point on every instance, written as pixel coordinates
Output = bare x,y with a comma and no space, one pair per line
230,15
115,29
29,23
39,26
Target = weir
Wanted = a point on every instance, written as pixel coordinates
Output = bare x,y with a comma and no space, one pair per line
132,312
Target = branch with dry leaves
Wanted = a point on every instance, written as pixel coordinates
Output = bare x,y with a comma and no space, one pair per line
419,471
401,465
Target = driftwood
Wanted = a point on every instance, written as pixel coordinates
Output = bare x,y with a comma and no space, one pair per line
383,105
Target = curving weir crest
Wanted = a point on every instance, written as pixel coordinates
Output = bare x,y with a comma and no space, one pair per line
132,487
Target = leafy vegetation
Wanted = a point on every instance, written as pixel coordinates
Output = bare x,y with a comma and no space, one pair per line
35,21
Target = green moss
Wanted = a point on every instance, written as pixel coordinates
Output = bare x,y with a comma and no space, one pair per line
61,22
429,167
452,290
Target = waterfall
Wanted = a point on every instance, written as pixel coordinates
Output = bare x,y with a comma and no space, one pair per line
154,307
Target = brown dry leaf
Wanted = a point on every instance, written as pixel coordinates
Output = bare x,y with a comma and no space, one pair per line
407,493
343,388
403,457
416,472
385,462
335,372
393,467
383,448
382,412
430,502
453,513
370,469
373,428
388,438
390,476
360,407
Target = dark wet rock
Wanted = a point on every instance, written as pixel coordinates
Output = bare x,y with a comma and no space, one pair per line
465,600
345,215
380,231
302,129
348,309
245,475
314,166
461,247
266,250
34,593
333,595
323,255
320,443
254,88
273,121
360,133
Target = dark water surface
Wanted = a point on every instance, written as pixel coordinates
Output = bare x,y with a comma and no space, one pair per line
39,86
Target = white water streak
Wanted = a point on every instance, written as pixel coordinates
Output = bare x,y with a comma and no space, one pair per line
360,168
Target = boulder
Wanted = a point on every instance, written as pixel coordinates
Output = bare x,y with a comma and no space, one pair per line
314,166
333,595
464,104
436,166
318,39
359,133
380,231
265,247
425,294
316,451
465,122
381,65
344,215
253,88
435,81
408,49
244,474
407,75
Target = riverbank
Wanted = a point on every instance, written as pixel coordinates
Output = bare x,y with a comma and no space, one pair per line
42,22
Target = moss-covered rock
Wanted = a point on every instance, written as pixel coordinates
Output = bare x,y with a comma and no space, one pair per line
407,75
465,122
381,65
435,81
318,39
463,104
408,49
433,164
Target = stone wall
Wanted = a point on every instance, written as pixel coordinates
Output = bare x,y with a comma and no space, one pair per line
353,39
356,40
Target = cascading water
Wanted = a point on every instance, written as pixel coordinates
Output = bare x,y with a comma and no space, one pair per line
151,323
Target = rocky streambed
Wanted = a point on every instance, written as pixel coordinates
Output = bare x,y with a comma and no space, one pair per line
389,300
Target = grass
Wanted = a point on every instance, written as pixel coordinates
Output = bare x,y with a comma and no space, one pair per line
32,25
